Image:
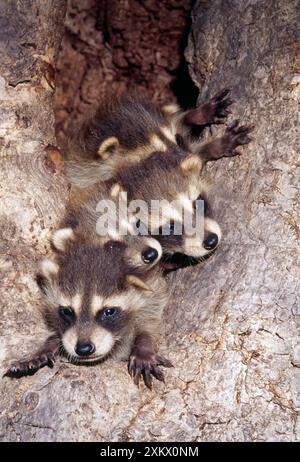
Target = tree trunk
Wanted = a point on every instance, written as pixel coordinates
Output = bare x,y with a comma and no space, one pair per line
32,192
231,326
241,311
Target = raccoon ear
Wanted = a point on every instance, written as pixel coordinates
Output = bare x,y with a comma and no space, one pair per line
108,147
170,109
48,269
137,282
60,237
191,164
42,282
116,189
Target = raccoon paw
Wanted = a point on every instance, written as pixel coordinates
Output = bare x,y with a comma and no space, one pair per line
235,136
147,366
30,366
217,107
212,112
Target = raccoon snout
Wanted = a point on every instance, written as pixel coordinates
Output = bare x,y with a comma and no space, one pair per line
84,349
211,241
149,255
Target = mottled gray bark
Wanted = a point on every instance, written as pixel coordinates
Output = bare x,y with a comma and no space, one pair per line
233,323
248,381
32,193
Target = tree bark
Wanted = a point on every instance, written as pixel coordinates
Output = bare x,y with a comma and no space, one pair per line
232,327
241,312
32,191
110,46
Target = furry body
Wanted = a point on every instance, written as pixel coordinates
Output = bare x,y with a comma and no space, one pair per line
103,298
152,154
91,277
95,297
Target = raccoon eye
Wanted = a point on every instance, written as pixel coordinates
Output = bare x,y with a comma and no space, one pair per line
66,313
109,312
180,141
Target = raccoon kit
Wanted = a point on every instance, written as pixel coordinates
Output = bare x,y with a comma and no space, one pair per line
98,305
154,155
82,219
104,294
128,129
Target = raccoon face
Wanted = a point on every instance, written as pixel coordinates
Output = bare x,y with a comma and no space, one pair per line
183,223
192,246
92,297
173,178
91,332
144,252
175,237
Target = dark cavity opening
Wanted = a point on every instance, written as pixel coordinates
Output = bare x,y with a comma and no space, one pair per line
115,45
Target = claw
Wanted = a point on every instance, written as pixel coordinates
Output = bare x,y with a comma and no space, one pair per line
30,366
147,367
12,371
158,374
228,102
224,113
250,128
233,125
243,129
221,95
130,366
244,140
147,378
137,377
51,361
212,111
9,372
161,361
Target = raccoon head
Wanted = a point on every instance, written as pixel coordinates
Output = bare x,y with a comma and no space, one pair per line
142,253
197,243
179,214
92,298
175,237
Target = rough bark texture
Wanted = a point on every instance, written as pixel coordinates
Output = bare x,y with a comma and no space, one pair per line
113,45
233,323
32,193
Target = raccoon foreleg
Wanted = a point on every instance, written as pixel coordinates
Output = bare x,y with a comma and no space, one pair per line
212,112
144,361
226,145
45,356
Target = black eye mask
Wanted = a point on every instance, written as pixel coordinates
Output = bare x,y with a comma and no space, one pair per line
113,319
66,315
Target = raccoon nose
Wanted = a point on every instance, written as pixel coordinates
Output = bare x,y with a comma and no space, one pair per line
149,255
211,241
85,349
